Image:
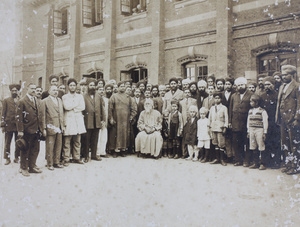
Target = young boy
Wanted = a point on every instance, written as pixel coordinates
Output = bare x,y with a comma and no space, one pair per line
190,134
203,135
218,121
257,127
175,123
164,133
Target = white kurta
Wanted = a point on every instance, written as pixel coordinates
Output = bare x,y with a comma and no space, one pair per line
73,117
102,141
149,143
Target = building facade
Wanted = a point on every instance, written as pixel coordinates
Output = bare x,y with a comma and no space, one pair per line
154,39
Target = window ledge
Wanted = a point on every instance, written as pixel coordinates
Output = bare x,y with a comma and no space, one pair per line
135,17
94,28
63,37
184,3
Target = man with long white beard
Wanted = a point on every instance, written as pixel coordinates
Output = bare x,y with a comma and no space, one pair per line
149,140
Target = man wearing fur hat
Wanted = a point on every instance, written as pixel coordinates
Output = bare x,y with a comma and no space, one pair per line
238,113
288,117
269,103
8,122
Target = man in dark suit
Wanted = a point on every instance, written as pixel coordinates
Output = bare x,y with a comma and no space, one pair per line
28,119
53,126
94,119
8,122
288,117
238,113
227,94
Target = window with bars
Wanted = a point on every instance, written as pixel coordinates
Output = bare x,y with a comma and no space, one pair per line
60,21
92,12
270,63
196,70
133,7
135,74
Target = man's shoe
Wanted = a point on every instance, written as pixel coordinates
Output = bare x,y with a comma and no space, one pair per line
59,166
246,164
291,172
25,172
104,156
262,167
7,162
215,161
237,164
50,168
97,158
223,163
285,170
16,160
35,170
66,164
78,161
122,154
176,156
254,166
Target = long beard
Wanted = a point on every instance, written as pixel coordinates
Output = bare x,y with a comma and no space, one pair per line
14,95
148,109
201,92
91,91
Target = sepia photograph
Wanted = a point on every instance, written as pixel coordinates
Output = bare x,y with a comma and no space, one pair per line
150,113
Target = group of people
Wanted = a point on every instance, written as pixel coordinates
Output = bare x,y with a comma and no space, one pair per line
211,120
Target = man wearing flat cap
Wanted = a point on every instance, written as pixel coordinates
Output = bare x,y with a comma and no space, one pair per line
8,122
174,94
288,117
269,102
238,113
53,80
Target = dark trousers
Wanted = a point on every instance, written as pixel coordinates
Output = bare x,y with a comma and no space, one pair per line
91,142
29,156
290,137
239,141
273,144
228,143
8,138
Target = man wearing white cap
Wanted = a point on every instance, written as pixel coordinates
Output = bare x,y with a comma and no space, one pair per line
288,117
238,112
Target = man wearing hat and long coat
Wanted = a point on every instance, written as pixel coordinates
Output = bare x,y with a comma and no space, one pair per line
269,103
8,122
238,113
29,125
121,113
94,120
288,117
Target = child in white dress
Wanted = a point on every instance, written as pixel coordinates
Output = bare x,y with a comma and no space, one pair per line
203,134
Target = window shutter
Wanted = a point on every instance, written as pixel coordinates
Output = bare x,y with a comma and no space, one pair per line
57,22
98,11
126,7
87,12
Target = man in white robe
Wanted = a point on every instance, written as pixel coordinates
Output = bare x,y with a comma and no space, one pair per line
149,139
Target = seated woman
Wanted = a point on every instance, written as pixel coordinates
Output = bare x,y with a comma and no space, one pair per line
149,140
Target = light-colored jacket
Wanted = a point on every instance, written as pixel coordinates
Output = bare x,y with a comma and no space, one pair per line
52,116
218,120
73,117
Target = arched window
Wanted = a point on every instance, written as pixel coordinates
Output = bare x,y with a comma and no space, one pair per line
270,59
135,74
195,70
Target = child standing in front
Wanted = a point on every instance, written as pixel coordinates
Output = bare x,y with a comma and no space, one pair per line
218,121
165,133
175,129
190,134
257,128
203,134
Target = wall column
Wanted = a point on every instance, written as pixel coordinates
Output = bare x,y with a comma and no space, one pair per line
224,38
75,18
109,24
156,67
